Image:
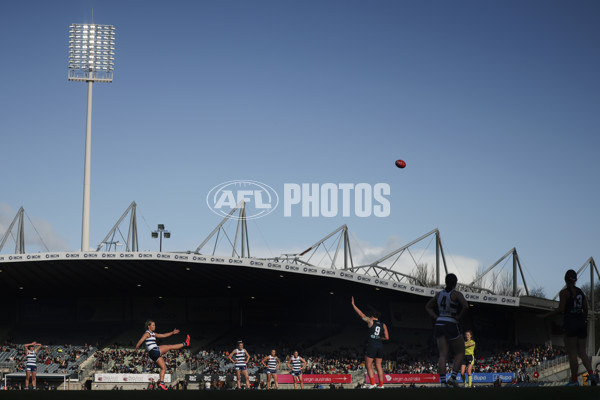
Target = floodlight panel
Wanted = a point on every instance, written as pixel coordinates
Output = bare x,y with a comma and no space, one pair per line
91,47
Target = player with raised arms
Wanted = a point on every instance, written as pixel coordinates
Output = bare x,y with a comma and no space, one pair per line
469,359
31,363
451,305
155,351
241,364
378,332
272,363
297,365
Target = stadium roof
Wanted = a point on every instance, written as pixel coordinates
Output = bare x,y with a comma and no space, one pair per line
115,273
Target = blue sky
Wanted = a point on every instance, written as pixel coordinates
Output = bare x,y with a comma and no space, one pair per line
493,105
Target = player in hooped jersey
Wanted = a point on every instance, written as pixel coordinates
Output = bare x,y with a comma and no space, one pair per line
573,305
272,363
378,332
155,351
297,365
240,358
451,305
31,363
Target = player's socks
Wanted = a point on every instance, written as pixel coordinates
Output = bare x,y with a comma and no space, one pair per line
187,341
463,378
470,380
372,381
454,373
443,379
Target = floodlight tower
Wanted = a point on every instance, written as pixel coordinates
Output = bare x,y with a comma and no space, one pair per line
91,59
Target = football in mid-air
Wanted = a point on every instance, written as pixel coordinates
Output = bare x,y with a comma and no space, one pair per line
400,163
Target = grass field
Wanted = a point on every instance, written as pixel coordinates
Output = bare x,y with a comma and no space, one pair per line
508,393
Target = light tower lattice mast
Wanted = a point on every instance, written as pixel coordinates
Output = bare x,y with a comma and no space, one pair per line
91,59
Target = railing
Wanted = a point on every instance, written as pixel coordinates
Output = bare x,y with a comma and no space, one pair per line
548,364
8,365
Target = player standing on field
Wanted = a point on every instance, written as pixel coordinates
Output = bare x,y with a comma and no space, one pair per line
156,352
272,363
241,364
469,359
31,363
377,334
573,305
451,305
297,365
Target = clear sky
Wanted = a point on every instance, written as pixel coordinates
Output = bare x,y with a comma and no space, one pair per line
494,105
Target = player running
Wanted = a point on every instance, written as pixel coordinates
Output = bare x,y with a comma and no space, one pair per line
271,363
573,305
241,364
377,334
451,305
297,365
156,352
31,363
469,359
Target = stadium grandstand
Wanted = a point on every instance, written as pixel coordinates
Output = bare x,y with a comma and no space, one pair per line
88,310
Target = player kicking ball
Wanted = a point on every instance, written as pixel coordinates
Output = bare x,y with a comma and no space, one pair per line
156,352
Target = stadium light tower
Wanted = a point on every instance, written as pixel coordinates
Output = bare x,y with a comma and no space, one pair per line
91,59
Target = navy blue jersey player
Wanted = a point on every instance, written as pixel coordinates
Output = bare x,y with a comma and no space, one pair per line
155,351
573,305
378,332
450,305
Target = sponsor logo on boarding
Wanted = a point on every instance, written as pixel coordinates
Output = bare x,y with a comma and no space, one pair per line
292,268
364,279
346,275
235,261
490,298
327,272
472,296
509,300
259,263
47,256
259,198
310,270
142,255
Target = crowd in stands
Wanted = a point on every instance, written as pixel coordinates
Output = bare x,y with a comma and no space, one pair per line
50,359
67,358
137,361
